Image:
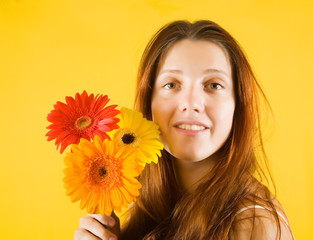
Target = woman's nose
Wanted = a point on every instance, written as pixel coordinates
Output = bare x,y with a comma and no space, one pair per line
191,100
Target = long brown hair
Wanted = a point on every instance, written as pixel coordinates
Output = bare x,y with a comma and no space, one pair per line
162,211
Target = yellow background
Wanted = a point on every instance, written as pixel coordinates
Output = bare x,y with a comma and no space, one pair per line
52,49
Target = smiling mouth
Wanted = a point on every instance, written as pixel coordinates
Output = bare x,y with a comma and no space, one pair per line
192,127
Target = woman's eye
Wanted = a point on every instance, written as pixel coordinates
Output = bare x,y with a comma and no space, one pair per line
170,85
214,86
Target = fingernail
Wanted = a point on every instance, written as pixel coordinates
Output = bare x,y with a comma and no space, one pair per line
112,238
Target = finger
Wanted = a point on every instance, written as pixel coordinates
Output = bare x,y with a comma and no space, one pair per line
96,228
105,220
81,234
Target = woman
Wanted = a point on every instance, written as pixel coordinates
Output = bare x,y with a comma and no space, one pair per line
196,83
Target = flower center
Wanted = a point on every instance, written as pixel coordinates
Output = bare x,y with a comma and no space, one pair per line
103,173
83,122
98,171
128,138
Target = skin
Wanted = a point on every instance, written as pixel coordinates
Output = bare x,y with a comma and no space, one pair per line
194,87
263,227
91,227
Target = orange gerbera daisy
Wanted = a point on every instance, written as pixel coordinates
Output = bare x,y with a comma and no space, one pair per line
102,175
82,117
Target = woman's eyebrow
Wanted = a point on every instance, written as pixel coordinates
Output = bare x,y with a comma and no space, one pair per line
209,70
214,70
171,71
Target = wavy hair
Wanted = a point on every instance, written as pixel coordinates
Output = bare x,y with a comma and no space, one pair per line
162,211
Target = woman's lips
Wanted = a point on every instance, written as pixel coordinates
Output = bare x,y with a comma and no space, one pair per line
191,128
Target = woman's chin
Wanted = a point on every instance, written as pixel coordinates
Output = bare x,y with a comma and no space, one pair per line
191,157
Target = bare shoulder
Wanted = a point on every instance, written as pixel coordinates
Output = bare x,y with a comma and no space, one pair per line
258,222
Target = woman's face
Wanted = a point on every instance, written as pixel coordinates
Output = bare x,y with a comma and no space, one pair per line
193,99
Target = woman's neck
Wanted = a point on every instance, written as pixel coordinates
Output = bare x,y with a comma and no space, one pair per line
190,173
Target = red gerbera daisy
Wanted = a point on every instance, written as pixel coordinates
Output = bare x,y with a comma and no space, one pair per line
82,117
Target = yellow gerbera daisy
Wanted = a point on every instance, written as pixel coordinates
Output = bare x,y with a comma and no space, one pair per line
139,133
101,175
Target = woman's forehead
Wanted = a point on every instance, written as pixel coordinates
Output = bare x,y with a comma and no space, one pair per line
201,55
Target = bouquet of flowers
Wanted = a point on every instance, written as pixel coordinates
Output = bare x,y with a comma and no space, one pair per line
109,150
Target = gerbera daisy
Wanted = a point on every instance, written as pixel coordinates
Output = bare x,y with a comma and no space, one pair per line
139,133
82,117
102,175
